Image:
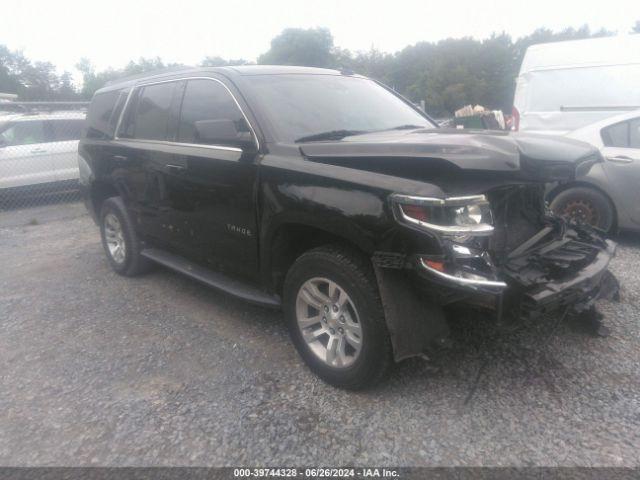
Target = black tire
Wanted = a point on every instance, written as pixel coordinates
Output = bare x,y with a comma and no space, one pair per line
133,263
586,204
354,274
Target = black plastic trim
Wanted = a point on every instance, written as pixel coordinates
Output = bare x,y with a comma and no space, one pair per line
213,279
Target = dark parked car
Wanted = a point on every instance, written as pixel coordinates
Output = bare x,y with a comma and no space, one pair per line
328,195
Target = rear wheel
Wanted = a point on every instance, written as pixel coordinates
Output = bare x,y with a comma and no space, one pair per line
335,317
119,239
585,205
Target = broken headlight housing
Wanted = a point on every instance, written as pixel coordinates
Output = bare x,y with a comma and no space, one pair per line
460,224
454,216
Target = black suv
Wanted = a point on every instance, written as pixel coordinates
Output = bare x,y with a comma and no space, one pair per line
329,195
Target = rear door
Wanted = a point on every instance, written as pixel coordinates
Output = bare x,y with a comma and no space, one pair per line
622,163
25,157
65,134
141,158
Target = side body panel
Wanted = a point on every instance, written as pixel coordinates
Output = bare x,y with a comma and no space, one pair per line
64,156
347,203
23,165
622,167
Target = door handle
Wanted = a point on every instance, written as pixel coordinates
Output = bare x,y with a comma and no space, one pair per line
620,159
175,168
119,158
38,150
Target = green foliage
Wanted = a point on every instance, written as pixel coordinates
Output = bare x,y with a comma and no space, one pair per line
33,80
92,80
297,46
221,62
446,75
455,72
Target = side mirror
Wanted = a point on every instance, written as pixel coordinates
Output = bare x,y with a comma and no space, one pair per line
222,132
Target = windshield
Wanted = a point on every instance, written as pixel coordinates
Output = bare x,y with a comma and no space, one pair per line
299,106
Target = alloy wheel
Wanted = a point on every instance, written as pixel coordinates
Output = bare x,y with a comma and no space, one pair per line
114,237
329,322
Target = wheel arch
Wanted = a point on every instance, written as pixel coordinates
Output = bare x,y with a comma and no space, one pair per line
99,191
289,240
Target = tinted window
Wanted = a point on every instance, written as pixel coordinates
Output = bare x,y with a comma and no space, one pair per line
66,129
23,133
634,133
153,111
302,105
207,105
616,135
100,111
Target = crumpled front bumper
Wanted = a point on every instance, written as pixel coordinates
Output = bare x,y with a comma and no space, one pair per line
578,291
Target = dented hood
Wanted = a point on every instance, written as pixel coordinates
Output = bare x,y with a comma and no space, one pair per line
518,155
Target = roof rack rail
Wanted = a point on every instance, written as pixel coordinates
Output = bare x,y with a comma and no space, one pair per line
149,73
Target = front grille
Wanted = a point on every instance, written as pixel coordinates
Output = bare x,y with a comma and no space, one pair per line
519,214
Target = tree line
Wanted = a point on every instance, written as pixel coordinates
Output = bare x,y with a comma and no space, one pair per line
445,75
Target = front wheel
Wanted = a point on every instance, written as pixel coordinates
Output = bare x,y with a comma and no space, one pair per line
335,317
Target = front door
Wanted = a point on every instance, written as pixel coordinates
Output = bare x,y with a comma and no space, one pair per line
25,157
211,185
65,134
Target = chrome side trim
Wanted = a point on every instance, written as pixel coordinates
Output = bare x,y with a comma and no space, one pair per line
126,105
178,144
464,282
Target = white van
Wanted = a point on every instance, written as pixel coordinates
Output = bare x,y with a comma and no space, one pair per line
563,86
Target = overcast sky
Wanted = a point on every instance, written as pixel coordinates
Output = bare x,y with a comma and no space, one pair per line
111,32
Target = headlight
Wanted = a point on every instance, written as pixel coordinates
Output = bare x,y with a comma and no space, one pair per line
452,216
468,215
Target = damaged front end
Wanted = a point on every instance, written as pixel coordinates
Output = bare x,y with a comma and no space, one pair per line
506,252
508,246
548,263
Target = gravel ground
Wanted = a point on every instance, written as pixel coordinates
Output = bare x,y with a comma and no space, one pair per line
97,369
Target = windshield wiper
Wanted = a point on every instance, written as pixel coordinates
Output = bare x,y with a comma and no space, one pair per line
330,135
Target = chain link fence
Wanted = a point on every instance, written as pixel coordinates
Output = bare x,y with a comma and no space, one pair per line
39,153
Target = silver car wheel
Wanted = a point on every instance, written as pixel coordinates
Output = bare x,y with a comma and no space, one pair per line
329,322
114,237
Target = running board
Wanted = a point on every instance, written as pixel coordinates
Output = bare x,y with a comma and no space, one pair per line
213,279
